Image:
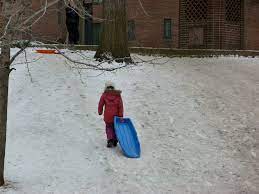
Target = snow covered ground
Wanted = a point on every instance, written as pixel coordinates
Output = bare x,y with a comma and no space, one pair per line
197,121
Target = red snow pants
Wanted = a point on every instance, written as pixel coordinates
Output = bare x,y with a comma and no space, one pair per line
110,132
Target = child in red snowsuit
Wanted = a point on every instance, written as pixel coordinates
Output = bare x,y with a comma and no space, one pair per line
112,101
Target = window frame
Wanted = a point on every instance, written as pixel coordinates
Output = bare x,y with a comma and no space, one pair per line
165,36
228,12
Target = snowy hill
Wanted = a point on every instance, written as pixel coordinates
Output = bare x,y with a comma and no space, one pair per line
196,120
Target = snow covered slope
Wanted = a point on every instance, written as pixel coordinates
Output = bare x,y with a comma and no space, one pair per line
196,121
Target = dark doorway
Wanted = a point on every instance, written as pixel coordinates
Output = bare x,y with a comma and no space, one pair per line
88,24
72,23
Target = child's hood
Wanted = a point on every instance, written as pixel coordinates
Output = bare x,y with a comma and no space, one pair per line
112,94
109,83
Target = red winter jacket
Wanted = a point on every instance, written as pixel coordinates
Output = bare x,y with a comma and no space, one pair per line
113,105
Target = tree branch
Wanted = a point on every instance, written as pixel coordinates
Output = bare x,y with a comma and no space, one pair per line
23,47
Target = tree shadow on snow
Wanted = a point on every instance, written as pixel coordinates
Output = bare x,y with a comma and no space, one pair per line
9,185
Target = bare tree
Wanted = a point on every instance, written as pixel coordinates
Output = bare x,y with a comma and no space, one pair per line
5,70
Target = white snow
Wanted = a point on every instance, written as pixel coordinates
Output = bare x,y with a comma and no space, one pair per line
197,121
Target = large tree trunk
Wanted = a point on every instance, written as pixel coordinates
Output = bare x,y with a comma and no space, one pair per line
114,36
4,78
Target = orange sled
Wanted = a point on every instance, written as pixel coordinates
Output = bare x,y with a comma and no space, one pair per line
49,51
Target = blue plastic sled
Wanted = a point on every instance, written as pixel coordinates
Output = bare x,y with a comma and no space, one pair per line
127,137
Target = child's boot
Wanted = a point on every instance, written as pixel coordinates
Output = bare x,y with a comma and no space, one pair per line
115,141
109,143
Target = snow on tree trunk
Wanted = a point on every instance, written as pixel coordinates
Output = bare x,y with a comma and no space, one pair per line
4,79
114,36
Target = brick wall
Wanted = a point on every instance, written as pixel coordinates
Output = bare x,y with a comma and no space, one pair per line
150,28
251,25
231,38
51,27
232,33
215,24
213,30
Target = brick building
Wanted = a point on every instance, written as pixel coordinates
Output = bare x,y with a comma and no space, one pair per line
212,24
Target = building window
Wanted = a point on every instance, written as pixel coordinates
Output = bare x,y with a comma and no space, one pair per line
131,30
233,10
167,29
196,10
